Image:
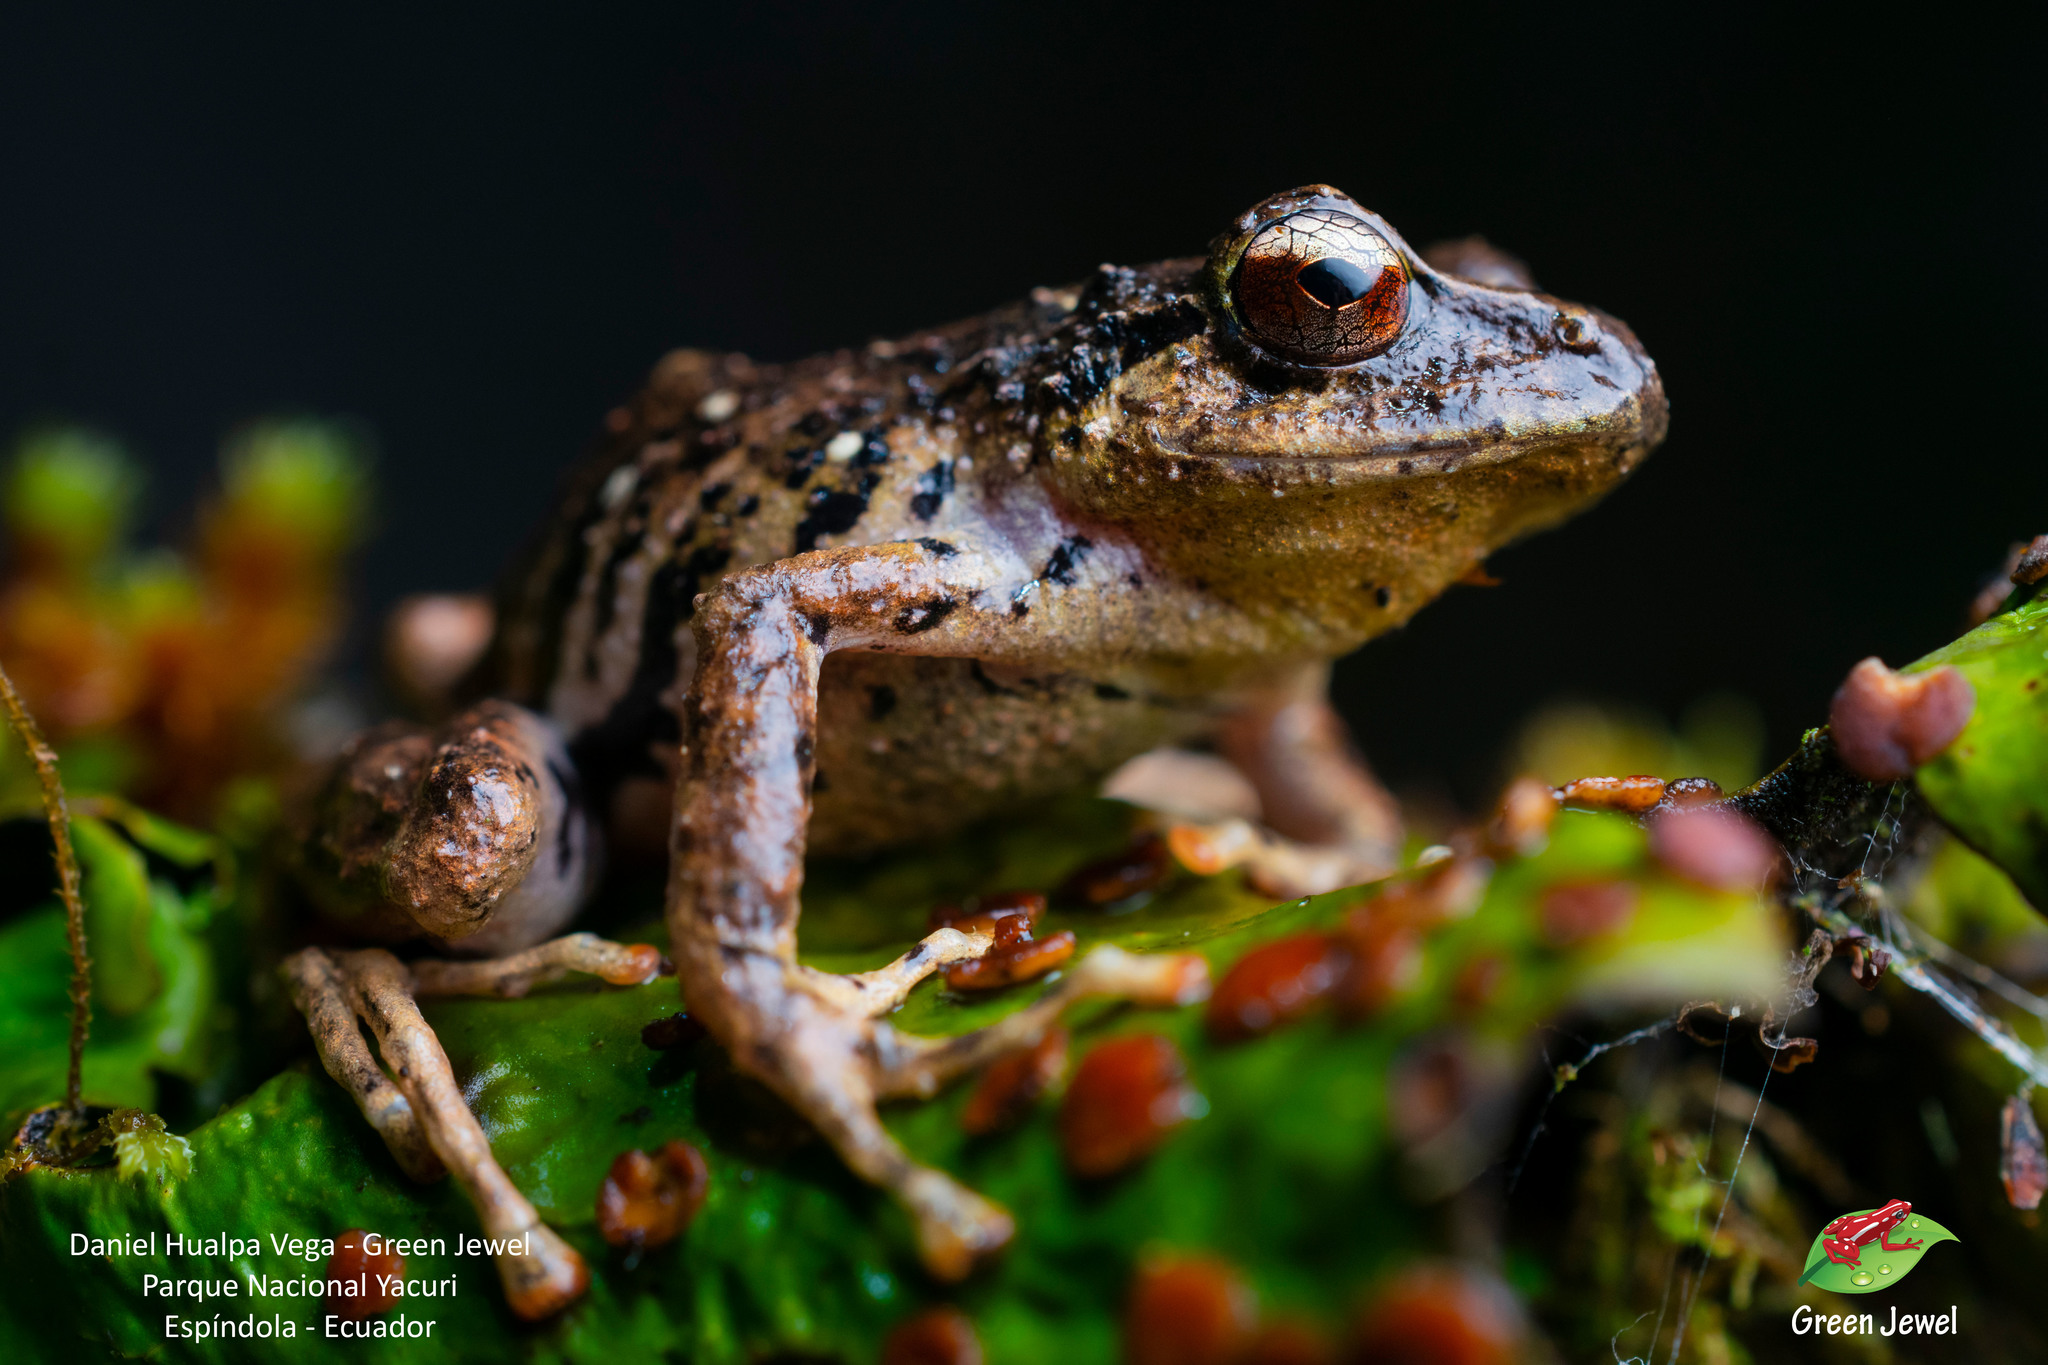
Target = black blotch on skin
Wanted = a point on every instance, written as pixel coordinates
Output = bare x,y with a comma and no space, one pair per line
919,617
814,424
1067,557
937,547
988,684
1383,595
1071,436
749,505
804,749
874,449
881,701
1111,692
622,744
832,510
1019,610
572,791
819,628
932,487
801,462
632,535
1124,318
712,495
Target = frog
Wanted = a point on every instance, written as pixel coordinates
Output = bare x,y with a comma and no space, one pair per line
1844,1239
866,599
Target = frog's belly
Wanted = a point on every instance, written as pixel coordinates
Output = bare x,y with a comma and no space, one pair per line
910,746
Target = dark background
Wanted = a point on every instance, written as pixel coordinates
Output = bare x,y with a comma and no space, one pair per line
477,230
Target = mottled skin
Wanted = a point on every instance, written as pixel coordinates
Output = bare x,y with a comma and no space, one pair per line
871,596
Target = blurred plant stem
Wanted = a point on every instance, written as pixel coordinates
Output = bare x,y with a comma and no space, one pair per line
59,815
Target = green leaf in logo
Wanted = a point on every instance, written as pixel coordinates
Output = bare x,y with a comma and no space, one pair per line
1879,1269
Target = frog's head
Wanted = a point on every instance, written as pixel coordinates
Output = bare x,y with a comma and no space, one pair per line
1317,411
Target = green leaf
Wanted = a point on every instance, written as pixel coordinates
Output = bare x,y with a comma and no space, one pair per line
1878,1269
158,962
1295,1173
1987,785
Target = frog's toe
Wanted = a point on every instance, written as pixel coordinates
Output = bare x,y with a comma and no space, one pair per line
956,1228
912,1067
873,994
1282,868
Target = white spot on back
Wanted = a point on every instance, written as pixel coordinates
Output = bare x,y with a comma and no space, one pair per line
619,486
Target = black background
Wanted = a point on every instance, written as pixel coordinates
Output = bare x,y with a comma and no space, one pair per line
477,229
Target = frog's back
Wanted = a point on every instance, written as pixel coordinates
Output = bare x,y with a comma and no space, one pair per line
720,465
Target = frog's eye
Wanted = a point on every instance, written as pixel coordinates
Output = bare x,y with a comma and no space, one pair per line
1320,287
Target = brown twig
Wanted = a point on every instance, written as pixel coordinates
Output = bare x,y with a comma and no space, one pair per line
54,810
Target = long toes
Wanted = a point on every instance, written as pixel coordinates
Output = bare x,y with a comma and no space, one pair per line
547,1278
956,1228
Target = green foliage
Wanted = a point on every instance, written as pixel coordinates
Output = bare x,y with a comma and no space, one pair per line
145,1152
71,491
312,476
1987,785
1300,1172
158,937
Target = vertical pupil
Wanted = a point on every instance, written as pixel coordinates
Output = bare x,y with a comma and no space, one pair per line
1334,281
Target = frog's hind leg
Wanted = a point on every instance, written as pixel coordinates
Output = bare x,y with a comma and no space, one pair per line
545,1274
321,994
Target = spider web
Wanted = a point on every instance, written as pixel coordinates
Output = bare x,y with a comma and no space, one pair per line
1919,960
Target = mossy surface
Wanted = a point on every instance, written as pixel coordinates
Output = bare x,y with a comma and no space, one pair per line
1293,1172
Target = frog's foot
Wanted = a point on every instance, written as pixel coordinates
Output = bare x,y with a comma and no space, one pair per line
823,1051
422,1115
1286,797
913,1067
1274,865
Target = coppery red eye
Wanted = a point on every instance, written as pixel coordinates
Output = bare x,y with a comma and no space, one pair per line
1320,287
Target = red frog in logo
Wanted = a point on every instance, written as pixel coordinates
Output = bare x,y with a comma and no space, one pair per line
1842,1238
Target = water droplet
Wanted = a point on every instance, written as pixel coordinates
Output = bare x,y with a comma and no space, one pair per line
1862,1277
1916,1222
1884,1270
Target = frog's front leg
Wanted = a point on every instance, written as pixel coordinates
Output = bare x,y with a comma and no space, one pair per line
736,866
1327,821
1910,1244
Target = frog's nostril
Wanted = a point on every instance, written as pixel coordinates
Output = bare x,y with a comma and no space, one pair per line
1334,281
1574,334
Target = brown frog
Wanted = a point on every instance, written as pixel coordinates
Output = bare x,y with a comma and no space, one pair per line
868,597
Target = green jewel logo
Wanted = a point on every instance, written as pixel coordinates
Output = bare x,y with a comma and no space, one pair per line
1863,1252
